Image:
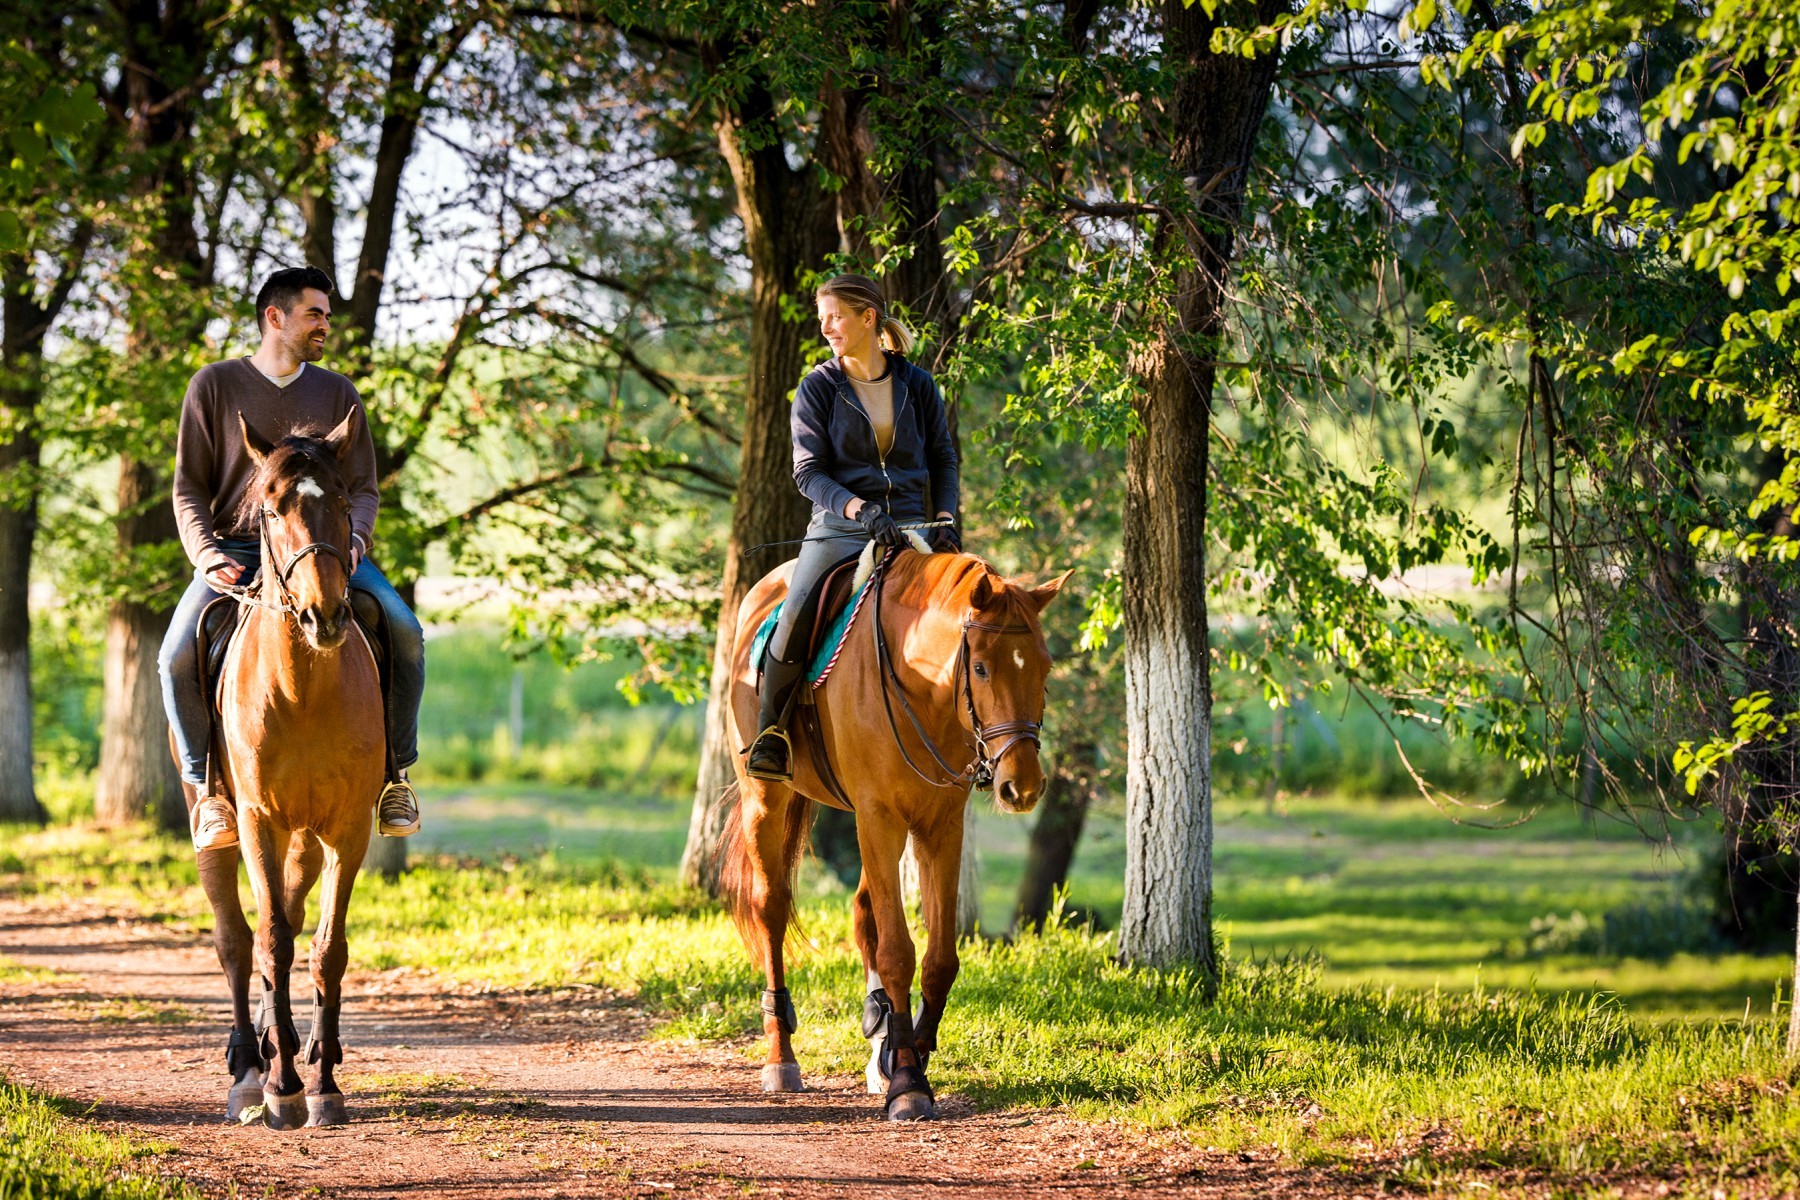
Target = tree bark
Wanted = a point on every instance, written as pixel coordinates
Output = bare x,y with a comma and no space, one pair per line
1216,107
1062,814
23,324
18,529
787,230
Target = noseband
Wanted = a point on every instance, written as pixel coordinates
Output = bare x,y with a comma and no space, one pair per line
980,771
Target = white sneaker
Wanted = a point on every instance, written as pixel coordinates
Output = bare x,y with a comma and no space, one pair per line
214,823
398,810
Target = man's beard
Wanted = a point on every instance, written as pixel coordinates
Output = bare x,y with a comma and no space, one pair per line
306,350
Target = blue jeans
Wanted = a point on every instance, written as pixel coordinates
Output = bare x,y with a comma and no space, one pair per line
187,706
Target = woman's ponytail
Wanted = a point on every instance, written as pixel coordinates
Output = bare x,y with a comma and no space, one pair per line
898,337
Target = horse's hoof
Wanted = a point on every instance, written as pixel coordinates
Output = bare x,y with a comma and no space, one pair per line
913,1106
245,1093
284,1112
326,1110
782,1077
874,1078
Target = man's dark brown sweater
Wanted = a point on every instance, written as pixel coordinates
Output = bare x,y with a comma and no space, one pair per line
213,469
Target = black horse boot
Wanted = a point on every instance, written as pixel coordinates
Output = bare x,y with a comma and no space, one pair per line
771,754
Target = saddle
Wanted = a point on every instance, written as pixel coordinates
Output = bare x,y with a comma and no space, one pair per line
219,622
829,625
834,605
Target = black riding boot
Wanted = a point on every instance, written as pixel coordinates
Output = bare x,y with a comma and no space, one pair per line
771,754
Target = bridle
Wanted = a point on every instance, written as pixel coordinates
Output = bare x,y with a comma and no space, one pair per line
252,595
980,771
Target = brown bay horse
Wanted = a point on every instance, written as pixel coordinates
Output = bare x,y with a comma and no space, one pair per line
301,740
939,686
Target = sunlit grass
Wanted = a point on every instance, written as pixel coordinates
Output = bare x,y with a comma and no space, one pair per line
48,1154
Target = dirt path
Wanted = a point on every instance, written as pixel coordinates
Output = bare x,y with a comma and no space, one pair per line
501,1096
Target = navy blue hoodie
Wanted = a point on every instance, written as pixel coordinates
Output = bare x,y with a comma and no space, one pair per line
836,457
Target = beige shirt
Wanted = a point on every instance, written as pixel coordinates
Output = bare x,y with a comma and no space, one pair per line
877,398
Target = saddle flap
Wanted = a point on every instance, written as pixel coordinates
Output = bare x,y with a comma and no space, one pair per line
218,625
373,619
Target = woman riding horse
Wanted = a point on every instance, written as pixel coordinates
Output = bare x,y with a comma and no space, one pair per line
872,449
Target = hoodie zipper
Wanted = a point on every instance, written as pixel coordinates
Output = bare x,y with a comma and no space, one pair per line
875,434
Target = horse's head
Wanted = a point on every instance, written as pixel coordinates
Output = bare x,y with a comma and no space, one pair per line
1007,666
302,505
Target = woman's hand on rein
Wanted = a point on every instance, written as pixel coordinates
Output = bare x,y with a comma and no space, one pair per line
881,528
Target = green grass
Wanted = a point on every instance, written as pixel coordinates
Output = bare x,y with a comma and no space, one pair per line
1382,893
47,1153
1434,1083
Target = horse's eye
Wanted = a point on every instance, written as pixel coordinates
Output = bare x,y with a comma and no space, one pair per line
981,670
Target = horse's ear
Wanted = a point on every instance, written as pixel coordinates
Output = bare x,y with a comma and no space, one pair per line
982,594
343,437
1042,596
258,445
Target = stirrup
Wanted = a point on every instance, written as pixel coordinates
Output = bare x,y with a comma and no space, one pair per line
786,776
397,810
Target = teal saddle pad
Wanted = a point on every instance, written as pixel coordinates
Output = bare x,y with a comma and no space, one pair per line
827,653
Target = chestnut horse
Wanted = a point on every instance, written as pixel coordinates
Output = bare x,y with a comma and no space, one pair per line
302,743
939,687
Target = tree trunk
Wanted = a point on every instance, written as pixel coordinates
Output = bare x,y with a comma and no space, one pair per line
164,75
386,857
18,527
1216,107
1061,816
786,231
834,841
137,779
18,530
1793,1037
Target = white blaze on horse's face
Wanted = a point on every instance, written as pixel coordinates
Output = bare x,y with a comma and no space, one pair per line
309,487
1019,659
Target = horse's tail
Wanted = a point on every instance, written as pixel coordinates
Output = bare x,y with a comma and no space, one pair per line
737,871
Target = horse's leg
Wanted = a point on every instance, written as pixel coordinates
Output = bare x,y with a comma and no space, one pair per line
305,858
231,939
883,840
330,955
876,1004
940,871
763,810
283,1088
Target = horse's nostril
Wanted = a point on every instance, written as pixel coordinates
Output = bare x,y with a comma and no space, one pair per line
1008,792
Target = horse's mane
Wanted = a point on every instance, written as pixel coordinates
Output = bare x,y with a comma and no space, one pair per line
301,452
947,581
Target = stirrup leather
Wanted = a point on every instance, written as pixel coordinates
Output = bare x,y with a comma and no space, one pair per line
774,731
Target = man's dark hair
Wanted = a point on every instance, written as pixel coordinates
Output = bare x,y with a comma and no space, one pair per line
283,289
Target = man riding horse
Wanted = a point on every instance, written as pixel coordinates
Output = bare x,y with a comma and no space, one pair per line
275,392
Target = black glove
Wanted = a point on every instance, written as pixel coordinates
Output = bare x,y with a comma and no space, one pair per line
882,529
945,540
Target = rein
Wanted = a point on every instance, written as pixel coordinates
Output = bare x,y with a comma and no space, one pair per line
980,770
